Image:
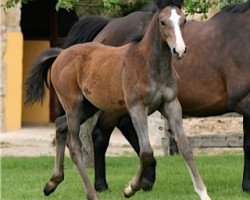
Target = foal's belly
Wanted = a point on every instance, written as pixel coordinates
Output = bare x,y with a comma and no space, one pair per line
104,96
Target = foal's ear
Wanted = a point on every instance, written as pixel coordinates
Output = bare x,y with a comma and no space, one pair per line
163,3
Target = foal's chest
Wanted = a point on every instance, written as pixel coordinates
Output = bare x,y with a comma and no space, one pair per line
160,93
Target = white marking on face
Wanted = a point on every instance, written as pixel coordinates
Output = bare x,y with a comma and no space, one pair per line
180,45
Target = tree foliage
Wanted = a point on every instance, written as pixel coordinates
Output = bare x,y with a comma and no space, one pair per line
191,6
203,6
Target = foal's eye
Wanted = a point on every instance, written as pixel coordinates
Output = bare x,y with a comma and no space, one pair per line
163,23
185,21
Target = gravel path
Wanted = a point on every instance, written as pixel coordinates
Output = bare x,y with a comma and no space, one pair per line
34,140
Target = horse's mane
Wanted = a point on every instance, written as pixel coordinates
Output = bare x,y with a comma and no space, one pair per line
237,7
85,30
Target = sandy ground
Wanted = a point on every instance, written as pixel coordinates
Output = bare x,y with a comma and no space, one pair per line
35,140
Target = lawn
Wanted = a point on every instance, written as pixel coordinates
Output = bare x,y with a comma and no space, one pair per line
24,178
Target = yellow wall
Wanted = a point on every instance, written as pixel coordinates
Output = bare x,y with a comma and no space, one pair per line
13,86
36,112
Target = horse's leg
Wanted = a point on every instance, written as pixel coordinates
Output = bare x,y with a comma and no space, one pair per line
172,111
101,136
125,125
75,117
61,137
246,147
139,115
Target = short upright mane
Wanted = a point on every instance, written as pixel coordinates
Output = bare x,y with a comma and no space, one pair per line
237,7
163,3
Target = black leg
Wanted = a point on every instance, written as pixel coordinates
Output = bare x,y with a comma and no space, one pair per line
126,127
101,136
246,147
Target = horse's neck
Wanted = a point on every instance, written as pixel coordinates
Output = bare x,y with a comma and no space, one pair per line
156,50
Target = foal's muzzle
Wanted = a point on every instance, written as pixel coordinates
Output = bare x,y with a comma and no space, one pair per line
179,53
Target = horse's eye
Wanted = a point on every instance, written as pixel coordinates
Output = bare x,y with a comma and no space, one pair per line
163,23
185,21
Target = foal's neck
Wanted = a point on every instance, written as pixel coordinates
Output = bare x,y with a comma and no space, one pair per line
156,50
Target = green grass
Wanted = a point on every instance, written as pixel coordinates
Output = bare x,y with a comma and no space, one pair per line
24,178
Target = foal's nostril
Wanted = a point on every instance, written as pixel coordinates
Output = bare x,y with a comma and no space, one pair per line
185,50
174,51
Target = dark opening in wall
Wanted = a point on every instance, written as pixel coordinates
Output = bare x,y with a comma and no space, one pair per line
40,21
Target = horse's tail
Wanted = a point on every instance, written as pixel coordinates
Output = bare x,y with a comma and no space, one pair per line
85,30
37,79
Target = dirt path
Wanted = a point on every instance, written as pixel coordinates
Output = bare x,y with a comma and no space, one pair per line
36,140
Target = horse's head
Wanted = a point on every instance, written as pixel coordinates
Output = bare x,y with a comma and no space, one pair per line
171,22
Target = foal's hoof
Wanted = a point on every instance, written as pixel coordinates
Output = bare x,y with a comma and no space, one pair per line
129,192
246,186
92,197
48,189
147,185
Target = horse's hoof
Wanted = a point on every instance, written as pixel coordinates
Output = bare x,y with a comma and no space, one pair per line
246,186
47,190
129,192
101,187
147,185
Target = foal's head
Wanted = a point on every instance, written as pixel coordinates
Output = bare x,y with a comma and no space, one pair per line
171,22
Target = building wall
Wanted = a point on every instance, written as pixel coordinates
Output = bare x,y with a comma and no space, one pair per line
36,112
16,58
11,69
13,83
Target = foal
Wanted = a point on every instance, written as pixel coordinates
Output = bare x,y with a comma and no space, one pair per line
132,79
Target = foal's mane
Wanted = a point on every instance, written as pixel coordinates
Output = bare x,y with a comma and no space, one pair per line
163,3
237,7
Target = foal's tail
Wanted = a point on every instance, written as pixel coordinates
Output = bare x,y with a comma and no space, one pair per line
85,30
37,79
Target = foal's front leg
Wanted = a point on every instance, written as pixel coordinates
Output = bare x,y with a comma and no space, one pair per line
173,112
139,115
126,127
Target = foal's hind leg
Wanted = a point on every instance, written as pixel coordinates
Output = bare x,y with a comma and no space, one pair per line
61,137
172,111
75,118
139,114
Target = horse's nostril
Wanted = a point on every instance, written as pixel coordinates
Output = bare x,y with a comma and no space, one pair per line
185,50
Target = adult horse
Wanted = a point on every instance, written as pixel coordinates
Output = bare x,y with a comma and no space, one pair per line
219,54
214,79
137,79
